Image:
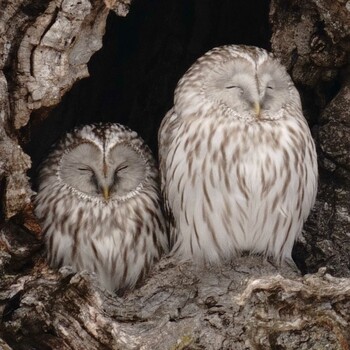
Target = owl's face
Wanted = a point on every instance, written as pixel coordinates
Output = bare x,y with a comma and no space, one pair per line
249,89
103,174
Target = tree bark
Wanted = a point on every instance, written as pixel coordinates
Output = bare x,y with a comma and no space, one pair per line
249,304
312,39
246,305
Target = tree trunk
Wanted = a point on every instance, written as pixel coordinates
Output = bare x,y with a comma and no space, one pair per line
312,38
45,48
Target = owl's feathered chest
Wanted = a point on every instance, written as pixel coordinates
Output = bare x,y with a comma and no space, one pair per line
225,176
225,142
231,158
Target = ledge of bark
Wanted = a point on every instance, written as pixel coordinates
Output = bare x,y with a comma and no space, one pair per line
249,304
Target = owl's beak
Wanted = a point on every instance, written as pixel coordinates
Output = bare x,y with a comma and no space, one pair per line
257,109
105,190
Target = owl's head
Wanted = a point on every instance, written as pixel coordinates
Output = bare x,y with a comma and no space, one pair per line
247,81
104,165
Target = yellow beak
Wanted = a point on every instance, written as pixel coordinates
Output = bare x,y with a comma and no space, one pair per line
106,193
257,109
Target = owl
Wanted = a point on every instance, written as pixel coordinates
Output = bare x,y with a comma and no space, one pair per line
99,203
237,159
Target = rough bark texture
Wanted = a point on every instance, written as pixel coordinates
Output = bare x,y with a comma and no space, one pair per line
246,305
44,49
312,38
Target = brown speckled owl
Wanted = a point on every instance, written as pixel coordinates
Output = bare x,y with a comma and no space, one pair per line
99,204
238,163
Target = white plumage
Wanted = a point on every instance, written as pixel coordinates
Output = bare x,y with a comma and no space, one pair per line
238,163
99,204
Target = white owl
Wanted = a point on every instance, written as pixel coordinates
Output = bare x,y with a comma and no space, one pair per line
238,163
99,204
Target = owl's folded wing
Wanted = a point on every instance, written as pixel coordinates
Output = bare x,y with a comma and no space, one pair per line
166,134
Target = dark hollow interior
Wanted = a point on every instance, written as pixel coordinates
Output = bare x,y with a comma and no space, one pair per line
133,76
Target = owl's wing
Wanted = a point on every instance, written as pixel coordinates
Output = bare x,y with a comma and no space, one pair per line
166,134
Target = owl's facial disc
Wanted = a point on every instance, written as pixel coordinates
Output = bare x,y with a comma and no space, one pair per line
252,93
115,175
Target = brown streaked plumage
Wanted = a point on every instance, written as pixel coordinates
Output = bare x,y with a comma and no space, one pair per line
100,206
237,160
